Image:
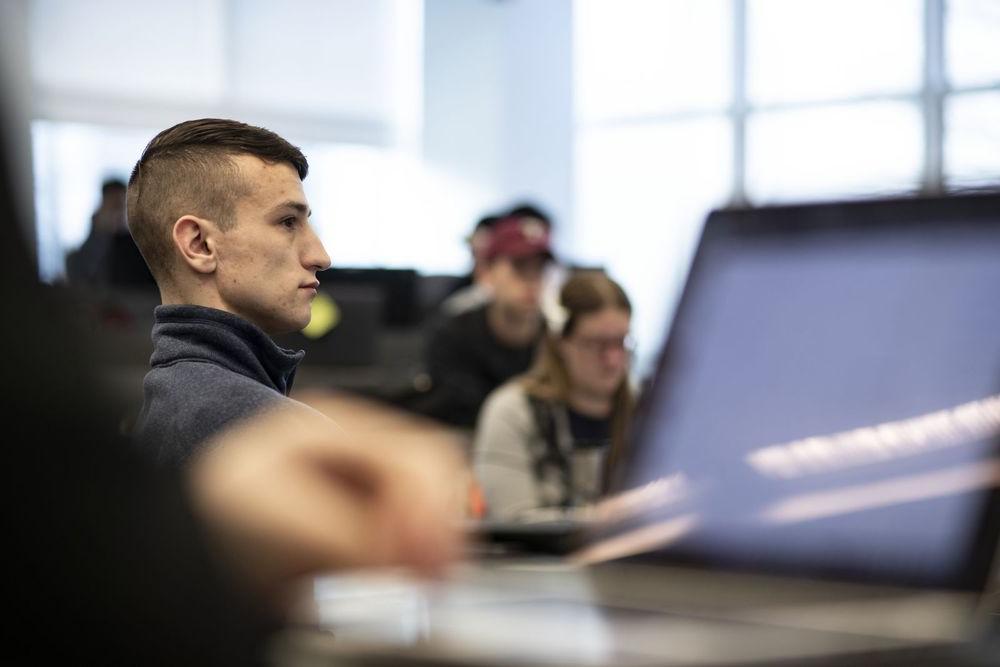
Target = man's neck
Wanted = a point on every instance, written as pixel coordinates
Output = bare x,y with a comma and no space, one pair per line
173,295
512,326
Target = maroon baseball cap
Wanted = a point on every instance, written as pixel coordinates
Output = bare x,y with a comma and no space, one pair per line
518,237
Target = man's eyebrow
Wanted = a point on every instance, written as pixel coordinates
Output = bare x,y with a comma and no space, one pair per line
295,205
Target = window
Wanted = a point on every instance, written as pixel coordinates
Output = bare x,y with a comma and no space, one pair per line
809,51
626,45
346,88
833,151
970,128
972,30
383,207
373,205
651,158
831,100
642,191
972,153
685,105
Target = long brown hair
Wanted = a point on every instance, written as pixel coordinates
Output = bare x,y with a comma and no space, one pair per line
585,293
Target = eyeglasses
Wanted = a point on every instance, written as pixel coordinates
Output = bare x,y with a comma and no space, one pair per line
597,345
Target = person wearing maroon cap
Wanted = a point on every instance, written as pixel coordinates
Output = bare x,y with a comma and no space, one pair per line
470,291
474,352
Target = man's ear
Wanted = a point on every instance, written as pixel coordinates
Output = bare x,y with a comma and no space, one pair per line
194,239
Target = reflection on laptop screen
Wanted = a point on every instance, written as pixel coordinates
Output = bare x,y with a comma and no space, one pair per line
829,398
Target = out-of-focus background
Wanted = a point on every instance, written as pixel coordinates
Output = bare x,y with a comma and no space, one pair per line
626,120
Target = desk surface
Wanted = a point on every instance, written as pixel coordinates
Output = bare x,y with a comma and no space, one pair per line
541,611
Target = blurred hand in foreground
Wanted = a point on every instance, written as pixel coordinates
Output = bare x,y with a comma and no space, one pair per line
291,494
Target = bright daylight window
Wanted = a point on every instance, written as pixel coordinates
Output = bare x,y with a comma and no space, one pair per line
373,200
685,105
653,85
70,162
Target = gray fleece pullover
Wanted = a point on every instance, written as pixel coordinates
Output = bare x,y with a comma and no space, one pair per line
209,369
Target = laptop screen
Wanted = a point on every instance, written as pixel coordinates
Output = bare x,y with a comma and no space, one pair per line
828,401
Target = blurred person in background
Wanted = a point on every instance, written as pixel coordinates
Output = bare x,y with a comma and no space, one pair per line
550,438
117,561
530,212
471,354
108,256
218,211
471,291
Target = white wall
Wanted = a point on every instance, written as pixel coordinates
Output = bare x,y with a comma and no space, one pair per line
311,69
498,100
463,89
538,107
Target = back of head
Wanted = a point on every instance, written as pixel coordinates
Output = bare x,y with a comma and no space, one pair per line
479,239
113,187
188,169
527,210
486,223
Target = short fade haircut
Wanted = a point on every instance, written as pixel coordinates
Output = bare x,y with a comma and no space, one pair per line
188,169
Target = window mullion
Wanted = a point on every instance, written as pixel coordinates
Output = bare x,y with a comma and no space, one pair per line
934,89
738,112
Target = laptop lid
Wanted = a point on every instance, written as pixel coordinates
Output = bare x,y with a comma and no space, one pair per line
827,403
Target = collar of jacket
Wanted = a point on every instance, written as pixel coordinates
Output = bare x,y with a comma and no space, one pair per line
197,333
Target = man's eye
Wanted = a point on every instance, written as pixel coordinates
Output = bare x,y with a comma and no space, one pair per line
288,223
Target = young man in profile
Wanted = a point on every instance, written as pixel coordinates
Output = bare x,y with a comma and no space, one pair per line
476,351
217,209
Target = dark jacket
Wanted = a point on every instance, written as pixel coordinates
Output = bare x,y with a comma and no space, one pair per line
466,362
209,369
106,560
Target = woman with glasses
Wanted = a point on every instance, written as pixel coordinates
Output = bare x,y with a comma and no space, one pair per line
547,440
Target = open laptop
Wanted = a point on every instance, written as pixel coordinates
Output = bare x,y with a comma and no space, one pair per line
814,474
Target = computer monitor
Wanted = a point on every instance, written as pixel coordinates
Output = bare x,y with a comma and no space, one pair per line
828,398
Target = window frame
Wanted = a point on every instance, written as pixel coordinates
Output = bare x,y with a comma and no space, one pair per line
931,99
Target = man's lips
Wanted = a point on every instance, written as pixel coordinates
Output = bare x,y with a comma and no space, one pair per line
313,285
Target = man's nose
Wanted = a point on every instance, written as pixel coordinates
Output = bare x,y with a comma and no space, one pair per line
314,254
